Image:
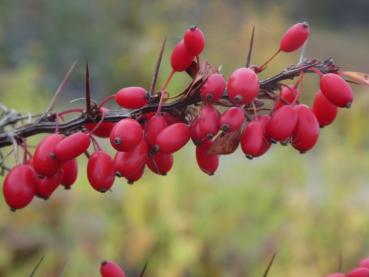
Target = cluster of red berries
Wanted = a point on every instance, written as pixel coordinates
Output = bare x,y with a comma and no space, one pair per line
152,139
362,270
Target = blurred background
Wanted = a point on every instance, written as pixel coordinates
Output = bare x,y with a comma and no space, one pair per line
307,208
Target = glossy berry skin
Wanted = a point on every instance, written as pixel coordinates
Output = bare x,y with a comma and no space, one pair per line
337,274
194,40
336,89
324,110
196,136
288,94
135,175
232,119
282,123
72,146
181,58
172,138
103,131
47,185
209,121
153,127
213,88
358,272
44,160
295,37
111,269
306,133
252,139
19,186
100,171
264,120
127,162
70,173
132,97
208,163
243,86
364,262
126,134
160,163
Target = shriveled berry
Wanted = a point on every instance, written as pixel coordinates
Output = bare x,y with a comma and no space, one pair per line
44,160
336,89
324,110
306,133
282,123
132,97
72,146
153,127
252,139
295,37
243,86
207,162
160,163
70,173
47,185
209,121
104,128
358,272
100,171
111,269
126,134
19,186
213,88
287,94
194,40
127,162
181,57
232,119
172,138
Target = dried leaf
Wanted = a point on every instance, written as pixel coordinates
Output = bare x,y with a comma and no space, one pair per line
359,77
226,143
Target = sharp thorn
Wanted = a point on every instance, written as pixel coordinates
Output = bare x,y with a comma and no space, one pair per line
157,67
269,265
251,46
88,91
144,269
36,266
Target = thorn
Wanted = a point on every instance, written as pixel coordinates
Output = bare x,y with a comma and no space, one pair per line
36,266
157,68
144,269
269,265
88,92
251,46
60,88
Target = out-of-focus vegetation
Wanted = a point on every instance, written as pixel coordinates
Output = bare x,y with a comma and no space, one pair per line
307,208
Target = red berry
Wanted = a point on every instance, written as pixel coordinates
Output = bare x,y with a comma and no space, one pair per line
336,89
47,185
100,171
194,40
306,133
181,58
19,186
337,274
282,123
232,119
243,86
153,127
126,134
196,136
288,94
208,163
135,175
359,272
160,163
72,146
172,138
70,172
295,37
264,119
104,128
132,97
324,110
364,262
111,269
208,121
127,162
44,160
252,139
213,88
171,119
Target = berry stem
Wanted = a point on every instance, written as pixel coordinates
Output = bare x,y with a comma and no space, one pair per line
98,124
263,66
107,99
